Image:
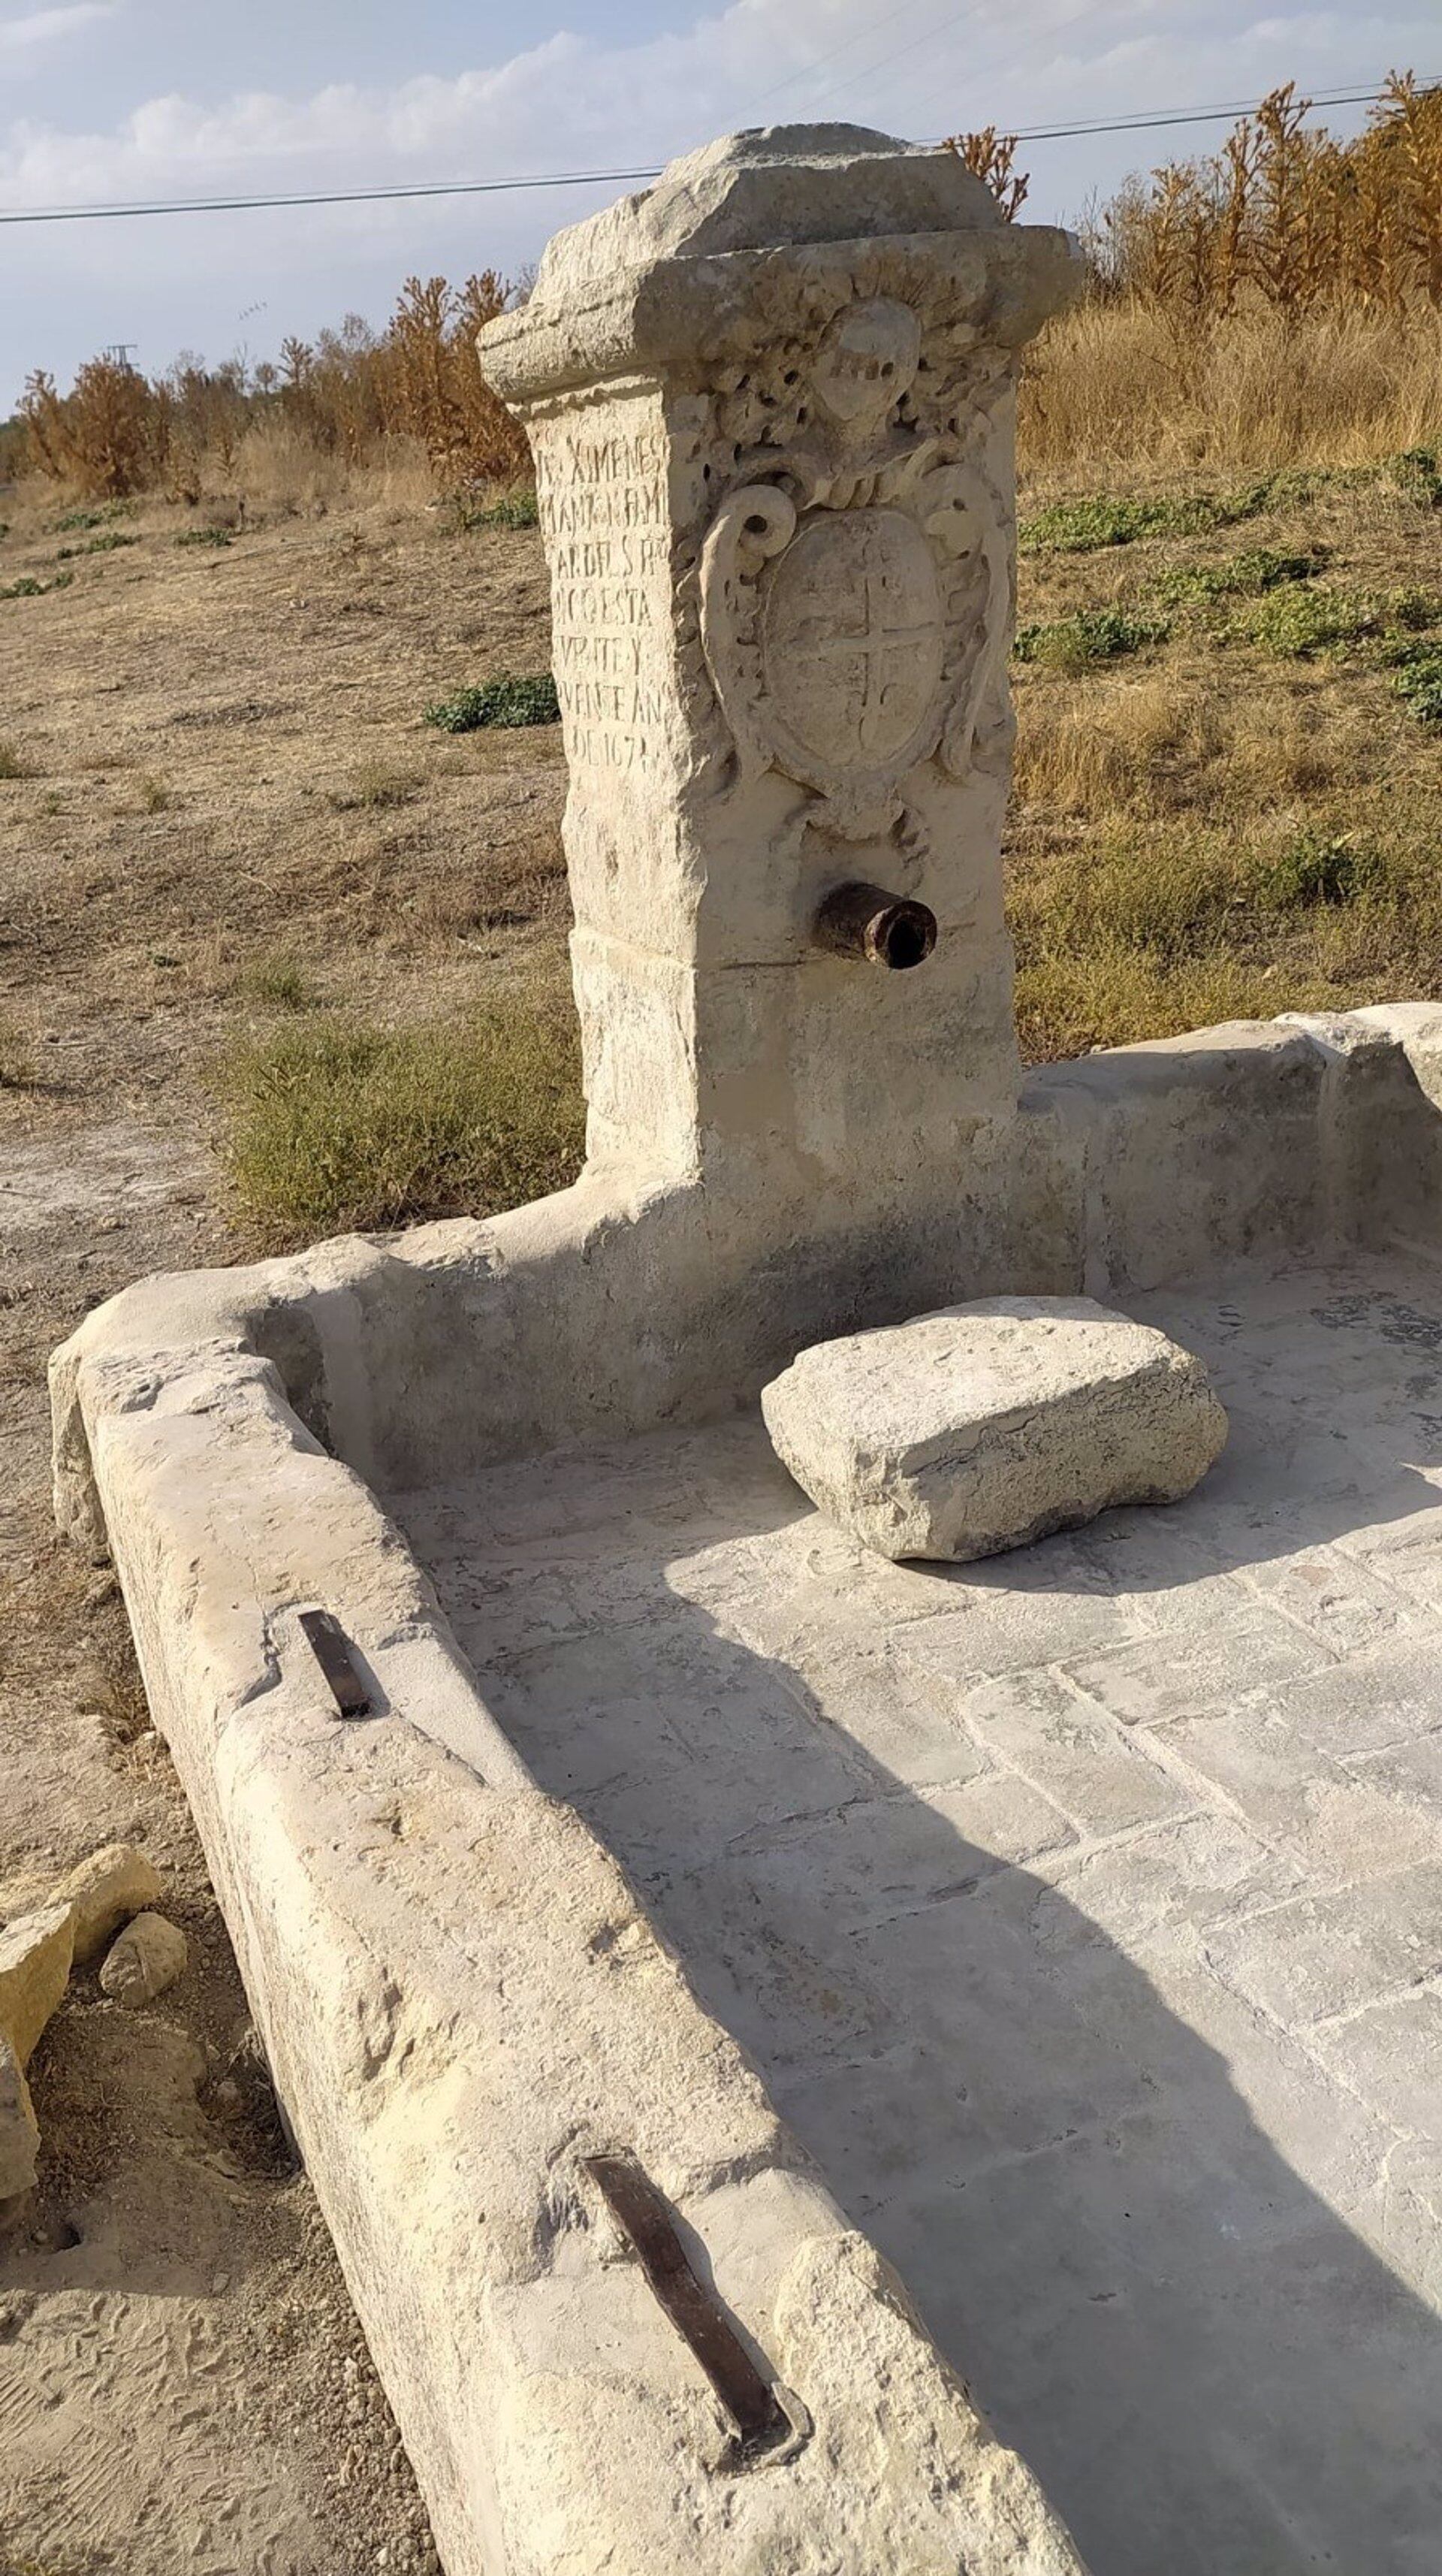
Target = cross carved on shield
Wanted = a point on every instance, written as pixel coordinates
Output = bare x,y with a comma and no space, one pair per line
854,640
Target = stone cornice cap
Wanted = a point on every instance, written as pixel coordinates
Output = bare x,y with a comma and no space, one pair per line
687,267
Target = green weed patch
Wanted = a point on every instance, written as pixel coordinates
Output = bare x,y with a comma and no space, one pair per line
102,545
1417,475
1297,623
1247,575
515,509
505,701
1319,868
1416,677
101,516
1091,635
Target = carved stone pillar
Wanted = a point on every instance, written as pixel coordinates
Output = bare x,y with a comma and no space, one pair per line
771,403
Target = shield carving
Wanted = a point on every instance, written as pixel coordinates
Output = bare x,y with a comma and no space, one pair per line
853,646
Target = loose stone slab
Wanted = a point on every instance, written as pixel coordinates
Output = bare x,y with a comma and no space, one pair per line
35,1956
986,1425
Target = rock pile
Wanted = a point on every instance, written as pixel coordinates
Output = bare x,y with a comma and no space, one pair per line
112,1889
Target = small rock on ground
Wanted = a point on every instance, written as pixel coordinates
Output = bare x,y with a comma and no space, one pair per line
149,1955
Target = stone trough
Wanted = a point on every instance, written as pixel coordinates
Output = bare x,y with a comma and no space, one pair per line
735,1994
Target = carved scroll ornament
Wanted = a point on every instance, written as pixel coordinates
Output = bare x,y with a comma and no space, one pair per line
854,590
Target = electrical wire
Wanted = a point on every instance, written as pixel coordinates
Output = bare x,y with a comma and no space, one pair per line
322,197
871,71
858,36
1144,124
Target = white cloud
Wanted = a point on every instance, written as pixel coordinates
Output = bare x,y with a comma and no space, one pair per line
42,27
572,102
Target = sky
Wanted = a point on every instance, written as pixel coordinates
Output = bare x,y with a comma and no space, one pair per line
105,101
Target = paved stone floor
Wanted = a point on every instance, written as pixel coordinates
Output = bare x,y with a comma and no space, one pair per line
1083,1909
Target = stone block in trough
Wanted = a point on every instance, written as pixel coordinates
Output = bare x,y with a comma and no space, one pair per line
986,1425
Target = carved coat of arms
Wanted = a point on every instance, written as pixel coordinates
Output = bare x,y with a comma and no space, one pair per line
855,589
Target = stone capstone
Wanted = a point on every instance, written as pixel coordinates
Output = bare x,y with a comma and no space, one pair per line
104,1891
987,1425
149,1955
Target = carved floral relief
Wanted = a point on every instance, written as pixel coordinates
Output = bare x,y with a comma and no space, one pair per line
854,582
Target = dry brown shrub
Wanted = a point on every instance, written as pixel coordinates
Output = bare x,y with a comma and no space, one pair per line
280,466
991,157
436,392
293,434
108,437
1287,214
1275,303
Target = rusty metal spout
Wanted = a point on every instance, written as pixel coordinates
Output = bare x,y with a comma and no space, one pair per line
885,929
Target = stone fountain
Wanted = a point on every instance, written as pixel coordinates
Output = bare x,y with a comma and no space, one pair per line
674,1927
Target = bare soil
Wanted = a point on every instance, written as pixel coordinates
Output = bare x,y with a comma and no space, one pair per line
224,767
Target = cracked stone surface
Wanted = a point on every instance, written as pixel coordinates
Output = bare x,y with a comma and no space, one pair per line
1082,1908
986,1425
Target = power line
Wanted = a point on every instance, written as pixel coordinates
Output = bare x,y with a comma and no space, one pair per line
869,71
614,178
322,197
858,36
1205,115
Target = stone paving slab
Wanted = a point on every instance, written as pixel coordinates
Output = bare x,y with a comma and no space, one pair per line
1083,1909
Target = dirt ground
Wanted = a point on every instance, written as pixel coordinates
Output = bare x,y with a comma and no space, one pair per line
223,772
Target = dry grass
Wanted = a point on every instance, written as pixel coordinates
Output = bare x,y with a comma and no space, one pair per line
1239,813
280,467
1242,817
229,815
17,1069
1114,389
337,1126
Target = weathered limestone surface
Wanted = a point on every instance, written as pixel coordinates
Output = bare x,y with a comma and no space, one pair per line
989,1424
103,1891
19,2128
35,1956
1081,1908
461,1998
771,403
468,1341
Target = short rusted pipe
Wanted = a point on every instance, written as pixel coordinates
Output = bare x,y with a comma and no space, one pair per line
884,929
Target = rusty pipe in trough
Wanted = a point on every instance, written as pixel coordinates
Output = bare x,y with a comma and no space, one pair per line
886,929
